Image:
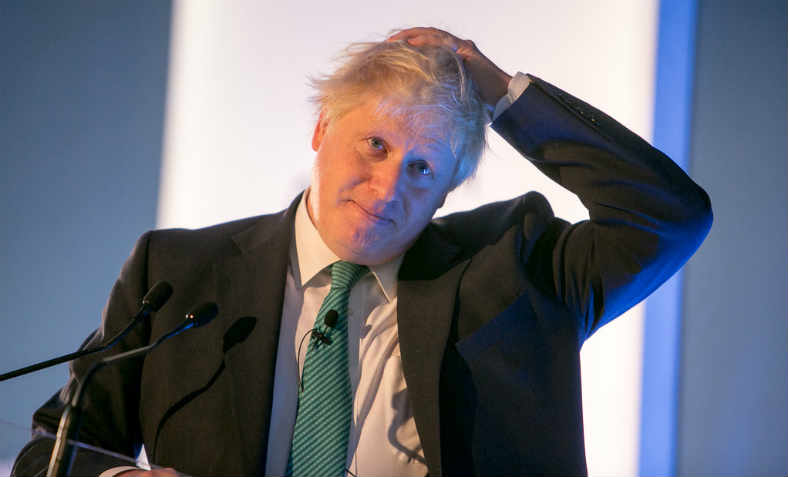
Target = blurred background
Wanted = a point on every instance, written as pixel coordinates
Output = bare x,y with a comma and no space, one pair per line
118,117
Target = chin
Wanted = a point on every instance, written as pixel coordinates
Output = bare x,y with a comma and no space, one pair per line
364,254
368,246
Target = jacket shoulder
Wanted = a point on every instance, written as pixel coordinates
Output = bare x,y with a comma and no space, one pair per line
485,225
201,239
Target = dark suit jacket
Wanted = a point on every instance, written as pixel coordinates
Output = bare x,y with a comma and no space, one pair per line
493,307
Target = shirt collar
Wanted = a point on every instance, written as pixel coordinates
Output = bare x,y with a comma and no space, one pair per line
312,255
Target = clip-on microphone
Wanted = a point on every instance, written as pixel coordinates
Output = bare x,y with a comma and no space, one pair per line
330,320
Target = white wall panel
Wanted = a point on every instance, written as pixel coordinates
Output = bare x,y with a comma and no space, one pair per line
239,127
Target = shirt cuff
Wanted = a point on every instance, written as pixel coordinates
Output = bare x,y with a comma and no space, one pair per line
117,470
516,87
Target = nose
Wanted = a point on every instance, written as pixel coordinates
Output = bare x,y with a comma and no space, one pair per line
386,180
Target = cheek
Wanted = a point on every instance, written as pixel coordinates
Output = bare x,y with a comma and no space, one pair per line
327,183
336,177
420,208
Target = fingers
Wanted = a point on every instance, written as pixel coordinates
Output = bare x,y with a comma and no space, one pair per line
491,80
416,31
428,36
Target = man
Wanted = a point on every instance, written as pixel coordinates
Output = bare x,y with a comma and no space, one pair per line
446,346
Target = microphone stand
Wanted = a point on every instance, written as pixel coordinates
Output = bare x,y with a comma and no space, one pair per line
60,463
61,460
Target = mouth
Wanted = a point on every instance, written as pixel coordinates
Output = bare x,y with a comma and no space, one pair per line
372,217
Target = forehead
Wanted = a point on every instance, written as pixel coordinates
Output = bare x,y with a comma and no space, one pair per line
418,125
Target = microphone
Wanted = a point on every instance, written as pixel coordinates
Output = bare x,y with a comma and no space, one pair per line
320,336
156,297
330,319
59,463
200,316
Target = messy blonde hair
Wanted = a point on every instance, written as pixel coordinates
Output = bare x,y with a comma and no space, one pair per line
428,87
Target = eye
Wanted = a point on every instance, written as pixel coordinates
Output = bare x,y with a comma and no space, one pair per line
376,144
420,168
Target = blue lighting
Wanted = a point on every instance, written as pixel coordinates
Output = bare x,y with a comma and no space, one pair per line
662,328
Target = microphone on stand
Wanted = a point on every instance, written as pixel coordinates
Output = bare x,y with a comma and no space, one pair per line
156,297
60,461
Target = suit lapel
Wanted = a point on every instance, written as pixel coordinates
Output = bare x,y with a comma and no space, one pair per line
252,288
428,282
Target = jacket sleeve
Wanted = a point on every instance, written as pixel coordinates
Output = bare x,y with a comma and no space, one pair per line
110,417
647,217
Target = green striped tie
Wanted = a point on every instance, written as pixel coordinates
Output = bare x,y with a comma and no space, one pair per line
325,403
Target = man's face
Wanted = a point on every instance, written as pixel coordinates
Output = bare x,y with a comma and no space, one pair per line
376,184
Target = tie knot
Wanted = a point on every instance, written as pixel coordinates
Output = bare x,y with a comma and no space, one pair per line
346,274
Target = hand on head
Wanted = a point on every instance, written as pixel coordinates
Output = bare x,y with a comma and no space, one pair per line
491,80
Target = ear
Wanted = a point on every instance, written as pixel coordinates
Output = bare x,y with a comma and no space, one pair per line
320,131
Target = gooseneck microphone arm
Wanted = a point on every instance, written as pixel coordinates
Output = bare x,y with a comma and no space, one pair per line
61,460
153,300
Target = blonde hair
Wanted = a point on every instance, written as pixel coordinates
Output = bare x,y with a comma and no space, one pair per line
427,86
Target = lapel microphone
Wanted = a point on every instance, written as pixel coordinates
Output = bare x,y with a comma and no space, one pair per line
330,320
